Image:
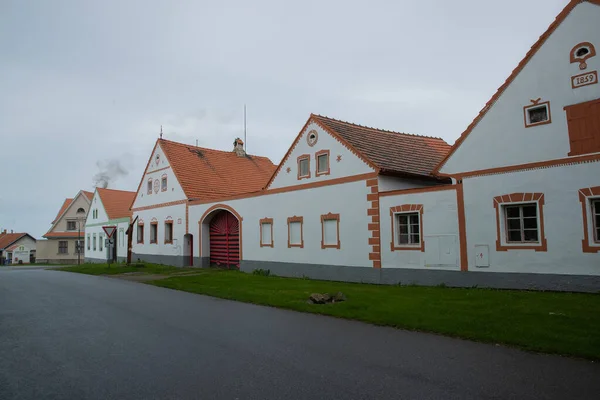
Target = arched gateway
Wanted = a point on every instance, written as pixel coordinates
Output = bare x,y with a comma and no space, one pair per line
220,230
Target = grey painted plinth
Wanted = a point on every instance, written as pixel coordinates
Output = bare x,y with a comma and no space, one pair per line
422,277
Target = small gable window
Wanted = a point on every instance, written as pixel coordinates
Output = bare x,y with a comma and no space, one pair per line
304,166
322,162
537,114
163,183
149,186
71,225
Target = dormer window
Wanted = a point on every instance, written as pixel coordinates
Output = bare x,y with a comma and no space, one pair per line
537,114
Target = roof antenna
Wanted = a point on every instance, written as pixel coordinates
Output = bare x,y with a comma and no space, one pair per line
161,131
245,141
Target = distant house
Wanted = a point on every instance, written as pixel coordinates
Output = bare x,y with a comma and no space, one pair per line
60,246
16,248
108,208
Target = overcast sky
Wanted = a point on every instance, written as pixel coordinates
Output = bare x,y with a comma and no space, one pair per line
86,82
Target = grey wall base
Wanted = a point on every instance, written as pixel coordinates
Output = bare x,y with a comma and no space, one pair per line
91,260
176,261
201,262
406,276
46,261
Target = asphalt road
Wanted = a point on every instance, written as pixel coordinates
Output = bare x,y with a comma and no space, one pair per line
70,336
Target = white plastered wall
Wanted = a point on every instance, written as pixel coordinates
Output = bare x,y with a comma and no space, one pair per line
440,231
175,213
500,138
563,219
349,200
349,165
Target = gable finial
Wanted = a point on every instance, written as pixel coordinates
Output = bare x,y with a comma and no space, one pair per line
161,132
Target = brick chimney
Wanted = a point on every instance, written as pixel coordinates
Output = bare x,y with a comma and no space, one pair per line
238,147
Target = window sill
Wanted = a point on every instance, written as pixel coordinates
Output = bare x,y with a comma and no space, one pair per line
266,245
301,245
168,242
303,177
330,246
414,247
538,124
323,173
537,246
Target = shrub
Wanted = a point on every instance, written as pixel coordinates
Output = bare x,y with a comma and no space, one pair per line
261,272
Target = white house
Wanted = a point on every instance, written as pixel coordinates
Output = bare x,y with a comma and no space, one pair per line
526,174
16,248
109,207
515,202
319,214
175,175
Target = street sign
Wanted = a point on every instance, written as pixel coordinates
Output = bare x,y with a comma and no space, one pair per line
109,230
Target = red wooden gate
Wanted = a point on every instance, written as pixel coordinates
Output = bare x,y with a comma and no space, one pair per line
225,240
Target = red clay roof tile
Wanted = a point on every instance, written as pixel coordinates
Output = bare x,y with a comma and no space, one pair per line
116,202
6,239
65,205
390,151
206,173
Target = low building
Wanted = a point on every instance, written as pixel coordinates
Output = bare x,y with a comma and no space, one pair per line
17,248
64,240
109,208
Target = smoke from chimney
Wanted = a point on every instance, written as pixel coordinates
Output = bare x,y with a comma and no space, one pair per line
110,170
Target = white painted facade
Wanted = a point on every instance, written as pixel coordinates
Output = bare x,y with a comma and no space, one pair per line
349,165
440,231
349,200
500,139
160,215
95,237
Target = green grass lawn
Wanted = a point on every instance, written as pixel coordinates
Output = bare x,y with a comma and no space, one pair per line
563,323
118,268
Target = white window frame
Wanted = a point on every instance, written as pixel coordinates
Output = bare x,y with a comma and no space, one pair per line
154,226
302,158
95,247
137,234
529,108
100,243
410,234
88,241
593,213
268,222
521,218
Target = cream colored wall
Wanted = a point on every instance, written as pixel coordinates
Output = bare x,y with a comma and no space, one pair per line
71,214
48,250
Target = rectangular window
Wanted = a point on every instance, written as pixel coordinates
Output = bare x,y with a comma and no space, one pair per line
596,219
63,247
140,233
408,229
304,166
295,234
169,232
521,223
101,242
88,241
330,231
266,232
71,225
95,242
583,121
537,114
163,183
322,162
154,232
150,186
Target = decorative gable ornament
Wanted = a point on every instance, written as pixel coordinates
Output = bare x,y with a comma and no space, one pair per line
581,52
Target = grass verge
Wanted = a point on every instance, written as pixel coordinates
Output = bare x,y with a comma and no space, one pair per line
550,322
119,268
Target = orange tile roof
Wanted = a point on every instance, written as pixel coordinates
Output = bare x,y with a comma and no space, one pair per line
87,194
65,205
389,151
206,173
70,234
116,202
6,239
536,46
